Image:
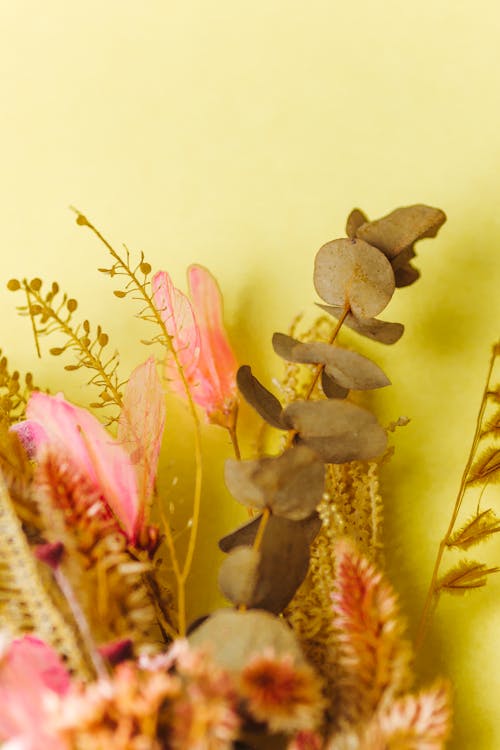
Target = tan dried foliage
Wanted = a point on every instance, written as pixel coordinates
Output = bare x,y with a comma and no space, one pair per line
347,368
475,530
352,273
262,400
401,228
338,431
26,605
372,328
467,575
290,485
233,637
238,575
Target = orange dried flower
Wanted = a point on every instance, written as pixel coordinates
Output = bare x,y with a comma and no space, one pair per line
285,695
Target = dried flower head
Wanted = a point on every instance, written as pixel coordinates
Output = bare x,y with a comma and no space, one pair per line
281,693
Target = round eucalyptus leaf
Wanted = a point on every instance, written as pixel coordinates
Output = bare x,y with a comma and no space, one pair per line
353,273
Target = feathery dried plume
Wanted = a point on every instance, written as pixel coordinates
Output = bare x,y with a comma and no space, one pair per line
373,658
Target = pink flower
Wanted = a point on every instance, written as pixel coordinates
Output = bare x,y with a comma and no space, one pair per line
31,674
75,433
373,657
200,341
141,424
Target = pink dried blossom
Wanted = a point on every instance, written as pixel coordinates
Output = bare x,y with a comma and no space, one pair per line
285,695
200,342
76,434
31,673
141,424
373,657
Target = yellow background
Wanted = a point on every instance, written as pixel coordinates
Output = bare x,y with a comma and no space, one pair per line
239,135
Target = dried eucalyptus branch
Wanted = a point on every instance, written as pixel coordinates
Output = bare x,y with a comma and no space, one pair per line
356,276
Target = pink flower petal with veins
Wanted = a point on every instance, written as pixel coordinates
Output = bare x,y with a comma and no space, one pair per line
201,343
141,424
177,314
30,671
78,434
31,435
217,363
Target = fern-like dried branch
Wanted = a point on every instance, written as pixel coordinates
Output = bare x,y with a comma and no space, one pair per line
468,574
54,313
478,528
25,604
486,468
17,472
14,392
492,426
373,657
477,471
138,286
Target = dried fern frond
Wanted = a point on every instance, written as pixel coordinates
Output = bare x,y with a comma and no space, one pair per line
25,604
412,722
14,392
373,657
53,312
481,471
97,563
486,468
468,574
477,529
17,472
492,426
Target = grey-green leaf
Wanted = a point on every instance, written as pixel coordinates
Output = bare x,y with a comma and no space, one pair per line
353,273
246,533
233,637
337,430
291,485
347,368
331,389
378,330
238,575
401,228
262,400
355,219
284,562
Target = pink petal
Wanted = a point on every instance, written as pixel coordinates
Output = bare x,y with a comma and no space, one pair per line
79,435
177,314
28,670
141,424
31,435
217,363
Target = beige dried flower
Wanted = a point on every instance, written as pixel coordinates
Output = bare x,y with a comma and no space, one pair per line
285,695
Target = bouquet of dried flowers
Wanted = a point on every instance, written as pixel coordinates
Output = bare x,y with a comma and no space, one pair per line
97,650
